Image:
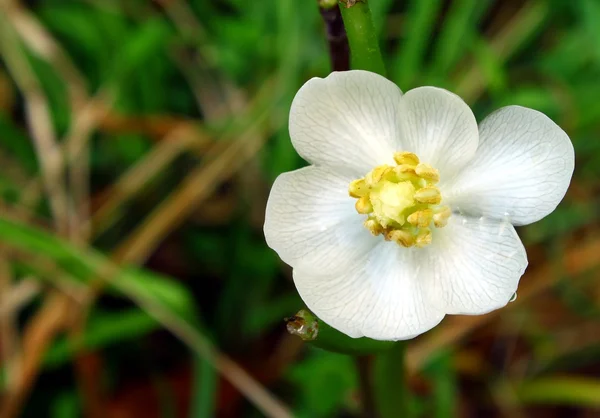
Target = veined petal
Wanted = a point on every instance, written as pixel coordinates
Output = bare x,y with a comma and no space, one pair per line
474,265
439,127
521,171
311,222
380,296
347,120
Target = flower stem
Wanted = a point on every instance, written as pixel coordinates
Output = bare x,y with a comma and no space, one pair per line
339,51
390,388
364,45
365,379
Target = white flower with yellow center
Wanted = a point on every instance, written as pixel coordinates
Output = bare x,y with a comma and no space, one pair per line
407,211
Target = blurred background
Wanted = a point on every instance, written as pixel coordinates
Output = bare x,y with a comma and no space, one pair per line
138,143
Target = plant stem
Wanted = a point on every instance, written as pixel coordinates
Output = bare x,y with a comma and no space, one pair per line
339,51
365,379
364,45
389,383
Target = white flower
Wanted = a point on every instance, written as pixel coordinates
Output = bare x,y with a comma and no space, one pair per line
361,262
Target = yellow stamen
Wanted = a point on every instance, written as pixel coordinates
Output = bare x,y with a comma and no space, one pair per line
440,218
428,172
373,226
401,202
423,238
407,158
403,238
363,205
430,195
358,188
421,218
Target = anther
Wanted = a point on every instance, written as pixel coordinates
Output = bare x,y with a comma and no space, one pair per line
420,218
424,238
373,226
375,176
440,218
401,202
400,236
363,205
427,172
358,188
405,172
404,157
429,195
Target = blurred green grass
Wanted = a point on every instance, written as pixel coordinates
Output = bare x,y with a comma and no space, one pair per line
212,67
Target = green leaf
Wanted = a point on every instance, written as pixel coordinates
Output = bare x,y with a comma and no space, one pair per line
142,45
456,32
574,391
102,330
152,290
324,383
204,389
420,19
443,375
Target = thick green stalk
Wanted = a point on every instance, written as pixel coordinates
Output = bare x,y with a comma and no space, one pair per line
364,45
389,383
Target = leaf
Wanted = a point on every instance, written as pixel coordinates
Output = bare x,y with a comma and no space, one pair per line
102,330
568,390
143,44
421,19
324,382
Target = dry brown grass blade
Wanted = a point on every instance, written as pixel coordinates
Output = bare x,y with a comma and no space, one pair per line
222,161
39,334
40,124
40,41
56,316
164,153
19,295
236,151
220,164
74,211
9,336
76,140
576,260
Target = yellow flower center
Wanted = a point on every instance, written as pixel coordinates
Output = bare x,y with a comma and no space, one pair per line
402,202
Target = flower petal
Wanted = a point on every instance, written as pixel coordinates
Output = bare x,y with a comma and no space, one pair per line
474,265
347,120
521,171
381,296
311,222
439,127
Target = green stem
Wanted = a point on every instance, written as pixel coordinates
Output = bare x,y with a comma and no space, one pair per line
364,45
389,383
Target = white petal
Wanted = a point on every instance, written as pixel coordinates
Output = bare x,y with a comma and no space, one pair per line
311,222
346,120
521,171
474,265
381,296
439,127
